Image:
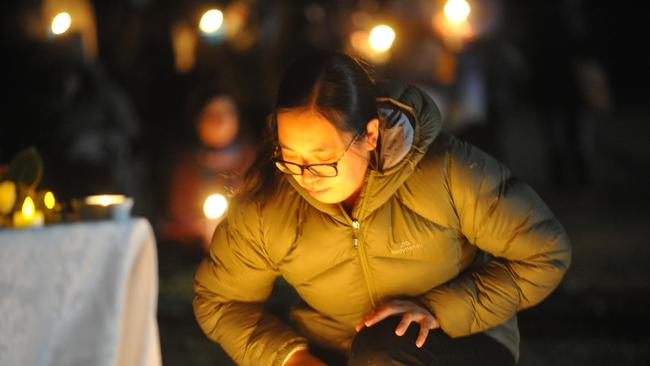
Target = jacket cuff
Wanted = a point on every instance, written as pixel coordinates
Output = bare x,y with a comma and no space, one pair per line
288,349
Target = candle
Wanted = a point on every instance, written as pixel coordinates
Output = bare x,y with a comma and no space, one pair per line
107,206
28,215
105,199
49,200
52,208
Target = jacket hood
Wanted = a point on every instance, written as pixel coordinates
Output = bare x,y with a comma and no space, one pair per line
409,121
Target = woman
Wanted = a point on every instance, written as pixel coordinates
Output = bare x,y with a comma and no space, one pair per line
213,164
378,219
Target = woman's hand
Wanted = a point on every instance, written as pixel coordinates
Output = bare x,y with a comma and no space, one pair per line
412,312
303,358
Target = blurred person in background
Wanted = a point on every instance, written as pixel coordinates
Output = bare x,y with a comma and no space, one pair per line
66,105
378,219
91,148
490,77
562,71
213,162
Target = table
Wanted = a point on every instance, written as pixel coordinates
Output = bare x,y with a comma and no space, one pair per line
79,294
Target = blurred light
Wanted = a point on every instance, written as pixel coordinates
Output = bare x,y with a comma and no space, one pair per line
456,11
214,206
61,23
28,208
184,40
105,199
359,41
211,21
7,196
381,38
49,200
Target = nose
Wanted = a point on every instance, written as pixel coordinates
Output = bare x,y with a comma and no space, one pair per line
308,178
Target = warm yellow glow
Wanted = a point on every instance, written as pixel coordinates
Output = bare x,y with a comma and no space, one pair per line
28,208
457,11
7,196
61,23
211,21
49,200
454,34
184,41
28,215
381,38
214,206
105,199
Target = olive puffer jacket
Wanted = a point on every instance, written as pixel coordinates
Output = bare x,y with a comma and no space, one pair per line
438,221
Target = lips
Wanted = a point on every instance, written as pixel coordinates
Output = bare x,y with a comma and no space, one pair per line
317,191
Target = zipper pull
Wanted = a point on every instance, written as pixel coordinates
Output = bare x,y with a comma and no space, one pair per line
355,235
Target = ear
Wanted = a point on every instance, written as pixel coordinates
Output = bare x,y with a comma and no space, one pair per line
372,133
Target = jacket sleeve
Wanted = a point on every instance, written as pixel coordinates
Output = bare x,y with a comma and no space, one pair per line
503,216
231,284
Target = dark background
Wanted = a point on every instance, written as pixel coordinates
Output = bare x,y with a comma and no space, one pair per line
588,161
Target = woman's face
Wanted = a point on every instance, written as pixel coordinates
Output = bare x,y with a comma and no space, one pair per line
218,123
306,137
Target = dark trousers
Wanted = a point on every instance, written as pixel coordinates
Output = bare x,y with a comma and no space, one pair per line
379,346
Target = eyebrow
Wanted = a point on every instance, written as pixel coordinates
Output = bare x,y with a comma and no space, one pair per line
318,149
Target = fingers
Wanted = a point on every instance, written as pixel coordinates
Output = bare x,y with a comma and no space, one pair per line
422,336
403,325
381,313
411,313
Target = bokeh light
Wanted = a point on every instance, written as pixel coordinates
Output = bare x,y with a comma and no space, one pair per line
211,21
28,208
49,200
61,23
381,38
214,206
456,11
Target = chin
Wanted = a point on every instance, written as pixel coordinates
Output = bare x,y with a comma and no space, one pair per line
328,198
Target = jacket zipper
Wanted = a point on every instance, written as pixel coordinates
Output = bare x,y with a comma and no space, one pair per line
361,250
359,247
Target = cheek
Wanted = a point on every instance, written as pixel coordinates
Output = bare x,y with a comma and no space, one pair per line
351,177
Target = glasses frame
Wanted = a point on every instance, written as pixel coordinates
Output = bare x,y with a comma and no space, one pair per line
309,166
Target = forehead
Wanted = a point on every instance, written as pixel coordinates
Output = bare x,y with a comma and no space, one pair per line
219,103
305,130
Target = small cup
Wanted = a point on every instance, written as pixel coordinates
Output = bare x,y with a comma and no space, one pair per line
106,207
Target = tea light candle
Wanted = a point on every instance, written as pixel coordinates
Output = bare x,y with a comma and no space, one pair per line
28,215
107,206
105,199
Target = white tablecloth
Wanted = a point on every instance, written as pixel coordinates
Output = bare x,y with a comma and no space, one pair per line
79,294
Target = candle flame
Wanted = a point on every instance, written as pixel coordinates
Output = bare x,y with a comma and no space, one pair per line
49,200
105,199
28,208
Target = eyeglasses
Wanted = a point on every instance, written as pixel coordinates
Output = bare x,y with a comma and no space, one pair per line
320,170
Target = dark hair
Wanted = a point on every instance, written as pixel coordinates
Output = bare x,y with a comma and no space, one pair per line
195,105
338,86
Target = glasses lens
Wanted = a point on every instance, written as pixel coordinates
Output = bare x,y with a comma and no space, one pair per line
288,168
323,170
